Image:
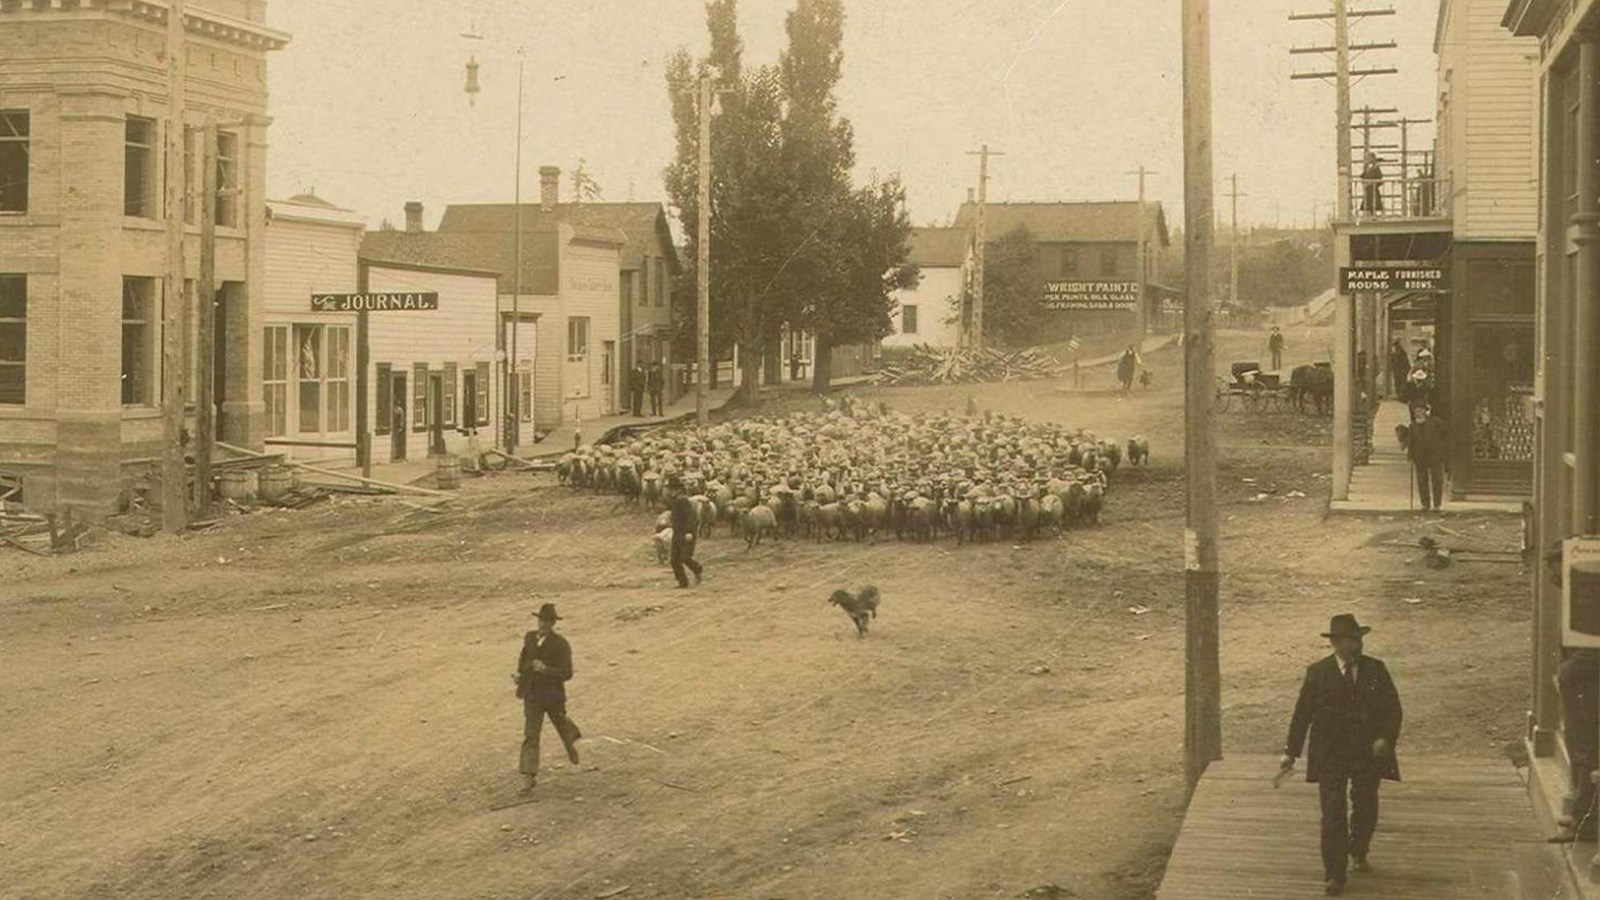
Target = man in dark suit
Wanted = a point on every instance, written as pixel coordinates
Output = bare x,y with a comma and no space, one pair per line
1349,704
543,670
1428,443
655,383
685,523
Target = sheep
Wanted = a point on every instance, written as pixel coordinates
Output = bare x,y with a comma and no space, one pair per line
1138,451
1052,513
758,522
1093,500
860,606
663,542
707,512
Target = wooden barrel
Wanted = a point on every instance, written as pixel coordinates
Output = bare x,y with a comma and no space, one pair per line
448,475
275,481
237,484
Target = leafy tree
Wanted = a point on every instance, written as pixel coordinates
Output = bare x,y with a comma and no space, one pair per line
1013,292
584,188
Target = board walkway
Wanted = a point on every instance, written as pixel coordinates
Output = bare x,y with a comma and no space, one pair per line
1453,829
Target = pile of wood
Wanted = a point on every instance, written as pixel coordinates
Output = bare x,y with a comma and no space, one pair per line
935,365
40,535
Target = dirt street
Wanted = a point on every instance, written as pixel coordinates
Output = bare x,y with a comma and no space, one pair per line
315,704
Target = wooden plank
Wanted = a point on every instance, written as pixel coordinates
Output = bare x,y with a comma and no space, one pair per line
1452,829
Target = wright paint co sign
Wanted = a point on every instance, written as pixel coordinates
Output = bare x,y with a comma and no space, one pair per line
1380,279
375,302
1091,295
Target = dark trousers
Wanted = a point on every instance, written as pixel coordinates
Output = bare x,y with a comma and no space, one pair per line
1277,359
1347,826
1578,717
683,558
636,401
655,402
1430,485
533,713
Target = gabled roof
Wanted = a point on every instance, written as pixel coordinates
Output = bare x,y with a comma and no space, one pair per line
939,248
472,251
642,227
1060,223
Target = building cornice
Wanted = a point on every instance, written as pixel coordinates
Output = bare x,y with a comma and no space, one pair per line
197,21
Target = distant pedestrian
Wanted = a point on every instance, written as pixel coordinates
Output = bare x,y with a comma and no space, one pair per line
1127,366
543,670
1372,184
636,380
685,524
1399,368
1350,706
655,383
1427,443
1275,347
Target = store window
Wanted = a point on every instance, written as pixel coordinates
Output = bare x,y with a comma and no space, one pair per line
275,378
338,418
1502,390
139,168
308,377
138,341
13,340
13,162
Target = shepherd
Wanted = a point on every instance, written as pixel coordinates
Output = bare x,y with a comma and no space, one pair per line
543,670
1349,704
1127,365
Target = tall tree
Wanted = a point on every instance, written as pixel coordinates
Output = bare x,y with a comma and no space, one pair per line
1013,291
749,194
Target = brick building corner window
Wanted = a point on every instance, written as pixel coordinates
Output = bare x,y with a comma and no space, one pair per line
227,199
13,162
275,378
908,319
139,169
138,341
577,337
482,393
13,340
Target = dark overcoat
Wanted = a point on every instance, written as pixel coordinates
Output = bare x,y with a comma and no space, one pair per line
547,688
1343,723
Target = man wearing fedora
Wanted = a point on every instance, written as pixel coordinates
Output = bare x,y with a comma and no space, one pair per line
685,522
543,670
1349,704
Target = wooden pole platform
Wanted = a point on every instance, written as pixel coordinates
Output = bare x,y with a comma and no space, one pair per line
1454,828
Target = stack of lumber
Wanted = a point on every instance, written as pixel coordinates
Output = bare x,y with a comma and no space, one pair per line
934,365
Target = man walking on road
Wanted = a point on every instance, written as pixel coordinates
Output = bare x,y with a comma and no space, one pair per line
1275,348
1427,443
543,669
685,524
655,382
1349,704
1127,365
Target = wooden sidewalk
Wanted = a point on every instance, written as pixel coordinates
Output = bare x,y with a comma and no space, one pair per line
1453,829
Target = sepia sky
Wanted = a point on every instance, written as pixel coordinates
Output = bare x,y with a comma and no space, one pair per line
369,107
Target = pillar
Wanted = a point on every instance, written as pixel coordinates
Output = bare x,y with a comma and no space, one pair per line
1343,376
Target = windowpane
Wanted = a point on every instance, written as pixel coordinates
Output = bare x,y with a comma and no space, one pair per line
578,336
483,393
275,375
13,162
419,397
308,356
13,340
137,371
13,296
908,319
139,157
227,204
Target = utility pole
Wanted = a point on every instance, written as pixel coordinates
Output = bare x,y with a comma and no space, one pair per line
174,495
514,384
1233,246
1144,255
981,239
1203,682
206,323
703,258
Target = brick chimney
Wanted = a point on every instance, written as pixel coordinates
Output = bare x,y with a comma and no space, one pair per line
549,187
414,217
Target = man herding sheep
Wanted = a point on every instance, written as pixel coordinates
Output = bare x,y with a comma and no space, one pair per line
685,524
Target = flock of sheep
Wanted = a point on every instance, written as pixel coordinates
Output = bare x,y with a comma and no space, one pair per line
866,473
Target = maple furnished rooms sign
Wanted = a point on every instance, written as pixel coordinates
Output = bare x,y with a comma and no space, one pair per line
1091,295
375,302
1380,279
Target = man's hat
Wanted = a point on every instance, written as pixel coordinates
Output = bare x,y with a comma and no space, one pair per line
548,611
1345,625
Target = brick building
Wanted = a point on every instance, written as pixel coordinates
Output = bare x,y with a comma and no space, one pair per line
82,233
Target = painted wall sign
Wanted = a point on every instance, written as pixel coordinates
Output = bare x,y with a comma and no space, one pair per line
1091,295
375,302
